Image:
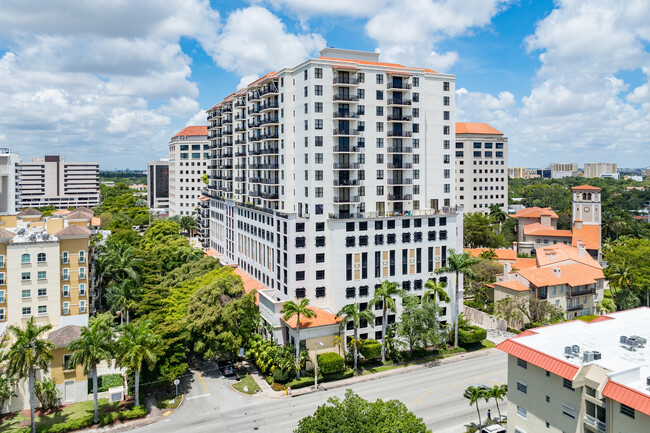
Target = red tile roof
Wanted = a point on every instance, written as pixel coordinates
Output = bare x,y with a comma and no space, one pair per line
574,275
589,235
250,283
540,359
193,131
476,128
628,396
366,62
521,263
585,188
501,253
551,254
535,212
323,318
537,229
211,253
513,285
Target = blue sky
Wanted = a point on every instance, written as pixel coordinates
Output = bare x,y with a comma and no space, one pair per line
566,81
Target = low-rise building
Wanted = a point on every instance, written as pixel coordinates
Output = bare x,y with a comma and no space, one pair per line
158,184
581,377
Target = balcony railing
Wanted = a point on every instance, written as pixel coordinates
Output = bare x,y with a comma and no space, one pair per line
346,149
346,165
347,132
393,118
345,80
400,133
581,292
344,115
575,307
400,197
400,165
399,149
595,423
346,182
354,199
399,85
349,98
397,101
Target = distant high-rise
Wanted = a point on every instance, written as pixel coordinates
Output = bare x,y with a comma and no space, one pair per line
158,184
598,169
8,161
189,155
481,167
53,181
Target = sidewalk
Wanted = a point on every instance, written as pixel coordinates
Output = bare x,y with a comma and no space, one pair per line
260,380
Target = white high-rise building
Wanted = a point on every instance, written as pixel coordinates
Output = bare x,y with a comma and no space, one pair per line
481,167
53,181
189,156
158,184
332,175
8,161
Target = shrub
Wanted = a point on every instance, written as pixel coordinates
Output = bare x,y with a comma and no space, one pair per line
337,376
278,387
471,335
281,376
330,362
269,380
133,413
371,349
301,383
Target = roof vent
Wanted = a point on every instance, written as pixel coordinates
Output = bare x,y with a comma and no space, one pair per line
557,272
588,356
21,232
597,355
32,237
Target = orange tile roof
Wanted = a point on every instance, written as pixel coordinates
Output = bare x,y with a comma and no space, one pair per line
271,74
537,229
501,253
323,318
192,131
524,264
535,212
95,221
250,283
550,254
589,235
585,188
627,396
513,285
574,275
203,198
476,128
367,62
540,359
62,212
211,253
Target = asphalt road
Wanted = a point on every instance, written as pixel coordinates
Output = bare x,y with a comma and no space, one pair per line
435,394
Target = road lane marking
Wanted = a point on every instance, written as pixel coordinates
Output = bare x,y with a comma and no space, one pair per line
167,413
204,386
198,396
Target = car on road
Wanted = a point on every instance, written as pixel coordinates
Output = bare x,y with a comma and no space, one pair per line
228,370
495,428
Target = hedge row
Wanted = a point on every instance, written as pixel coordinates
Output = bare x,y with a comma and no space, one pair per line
471,335
87,421
371,349
330,362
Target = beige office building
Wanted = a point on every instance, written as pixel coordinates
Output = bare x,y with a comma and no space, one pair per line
581,377
481,164
53,181
598,169
189,157
516,172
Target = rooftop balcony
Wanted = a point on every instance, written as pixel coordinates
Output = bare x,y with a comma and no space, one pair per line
447,210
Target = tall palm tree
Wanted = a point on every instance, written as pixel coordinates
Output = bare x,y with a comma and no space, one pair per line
189,224
28,352
458,264
137,343
101,276
352,313
385,295
290,309
498,215
474,394
123,264
620,275
489,254
94,345
436,292
123,296
497,392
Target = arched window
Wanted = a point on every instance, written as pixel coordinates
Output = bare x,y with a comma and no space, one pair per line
41,258
588,196
24,258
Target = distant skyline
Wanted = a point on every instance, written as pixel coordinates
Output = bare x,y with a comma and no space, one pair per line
113,81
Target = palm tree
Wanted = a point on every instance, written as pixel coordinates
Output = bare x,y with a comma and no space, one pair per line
620,275
123,264
474,394
122,296
93,346
7,385
498,215
189,224
497,392
290,309
385,296
101,276
458,264
28,352
436,292
137,343
352,313
489,254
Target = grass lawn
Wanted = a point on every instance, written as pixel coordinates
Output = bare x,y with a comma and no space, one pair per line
163,401
73,412
246,381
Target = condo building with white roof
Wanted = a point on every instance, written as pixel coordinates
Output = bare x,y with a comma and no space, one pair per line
332,175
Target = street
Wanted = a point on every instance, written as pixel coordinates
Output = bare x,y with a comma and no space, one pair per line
435,394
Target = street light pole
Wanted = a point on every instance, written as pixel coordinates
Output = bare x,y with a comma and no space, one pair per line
316,343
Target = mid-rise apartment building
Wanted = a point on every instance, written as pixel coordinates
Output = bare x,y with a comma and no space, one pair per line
481,167
516,172
189,156
332,175
599,169
8,162
44,274
53,181
158,184
581,377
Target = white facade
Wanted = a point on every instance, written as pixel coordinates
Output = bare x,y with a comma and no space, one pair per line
597,169
52,181
481,167
158,184
189,156
8,161
332,175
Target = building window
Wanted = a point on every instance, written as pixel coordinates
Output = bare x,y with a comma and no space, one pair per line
350,241
66,308
379,239
300,275
41,258
320,258
522,412
320,274
41,292
24,258
380,126
300,293
318,107
320,241
380,78
2,297
42,275
568,384
26,276
82,256
521,363
380,95
445,100
350,292
521,387
82,289
300,259
27,311
318,72
3,316
26,293
82,273
82,306
318,141
300,242
318,90
627,410
320,292
445,86
42,309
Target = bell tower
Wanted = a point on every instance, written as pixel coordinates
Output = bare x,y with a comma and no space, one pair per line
586,205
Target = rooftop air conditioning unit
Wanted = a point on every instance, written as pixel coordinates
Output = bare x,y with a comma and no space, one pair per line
623,339
647,380
597,355
567,351
588,357
576,349
640,340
